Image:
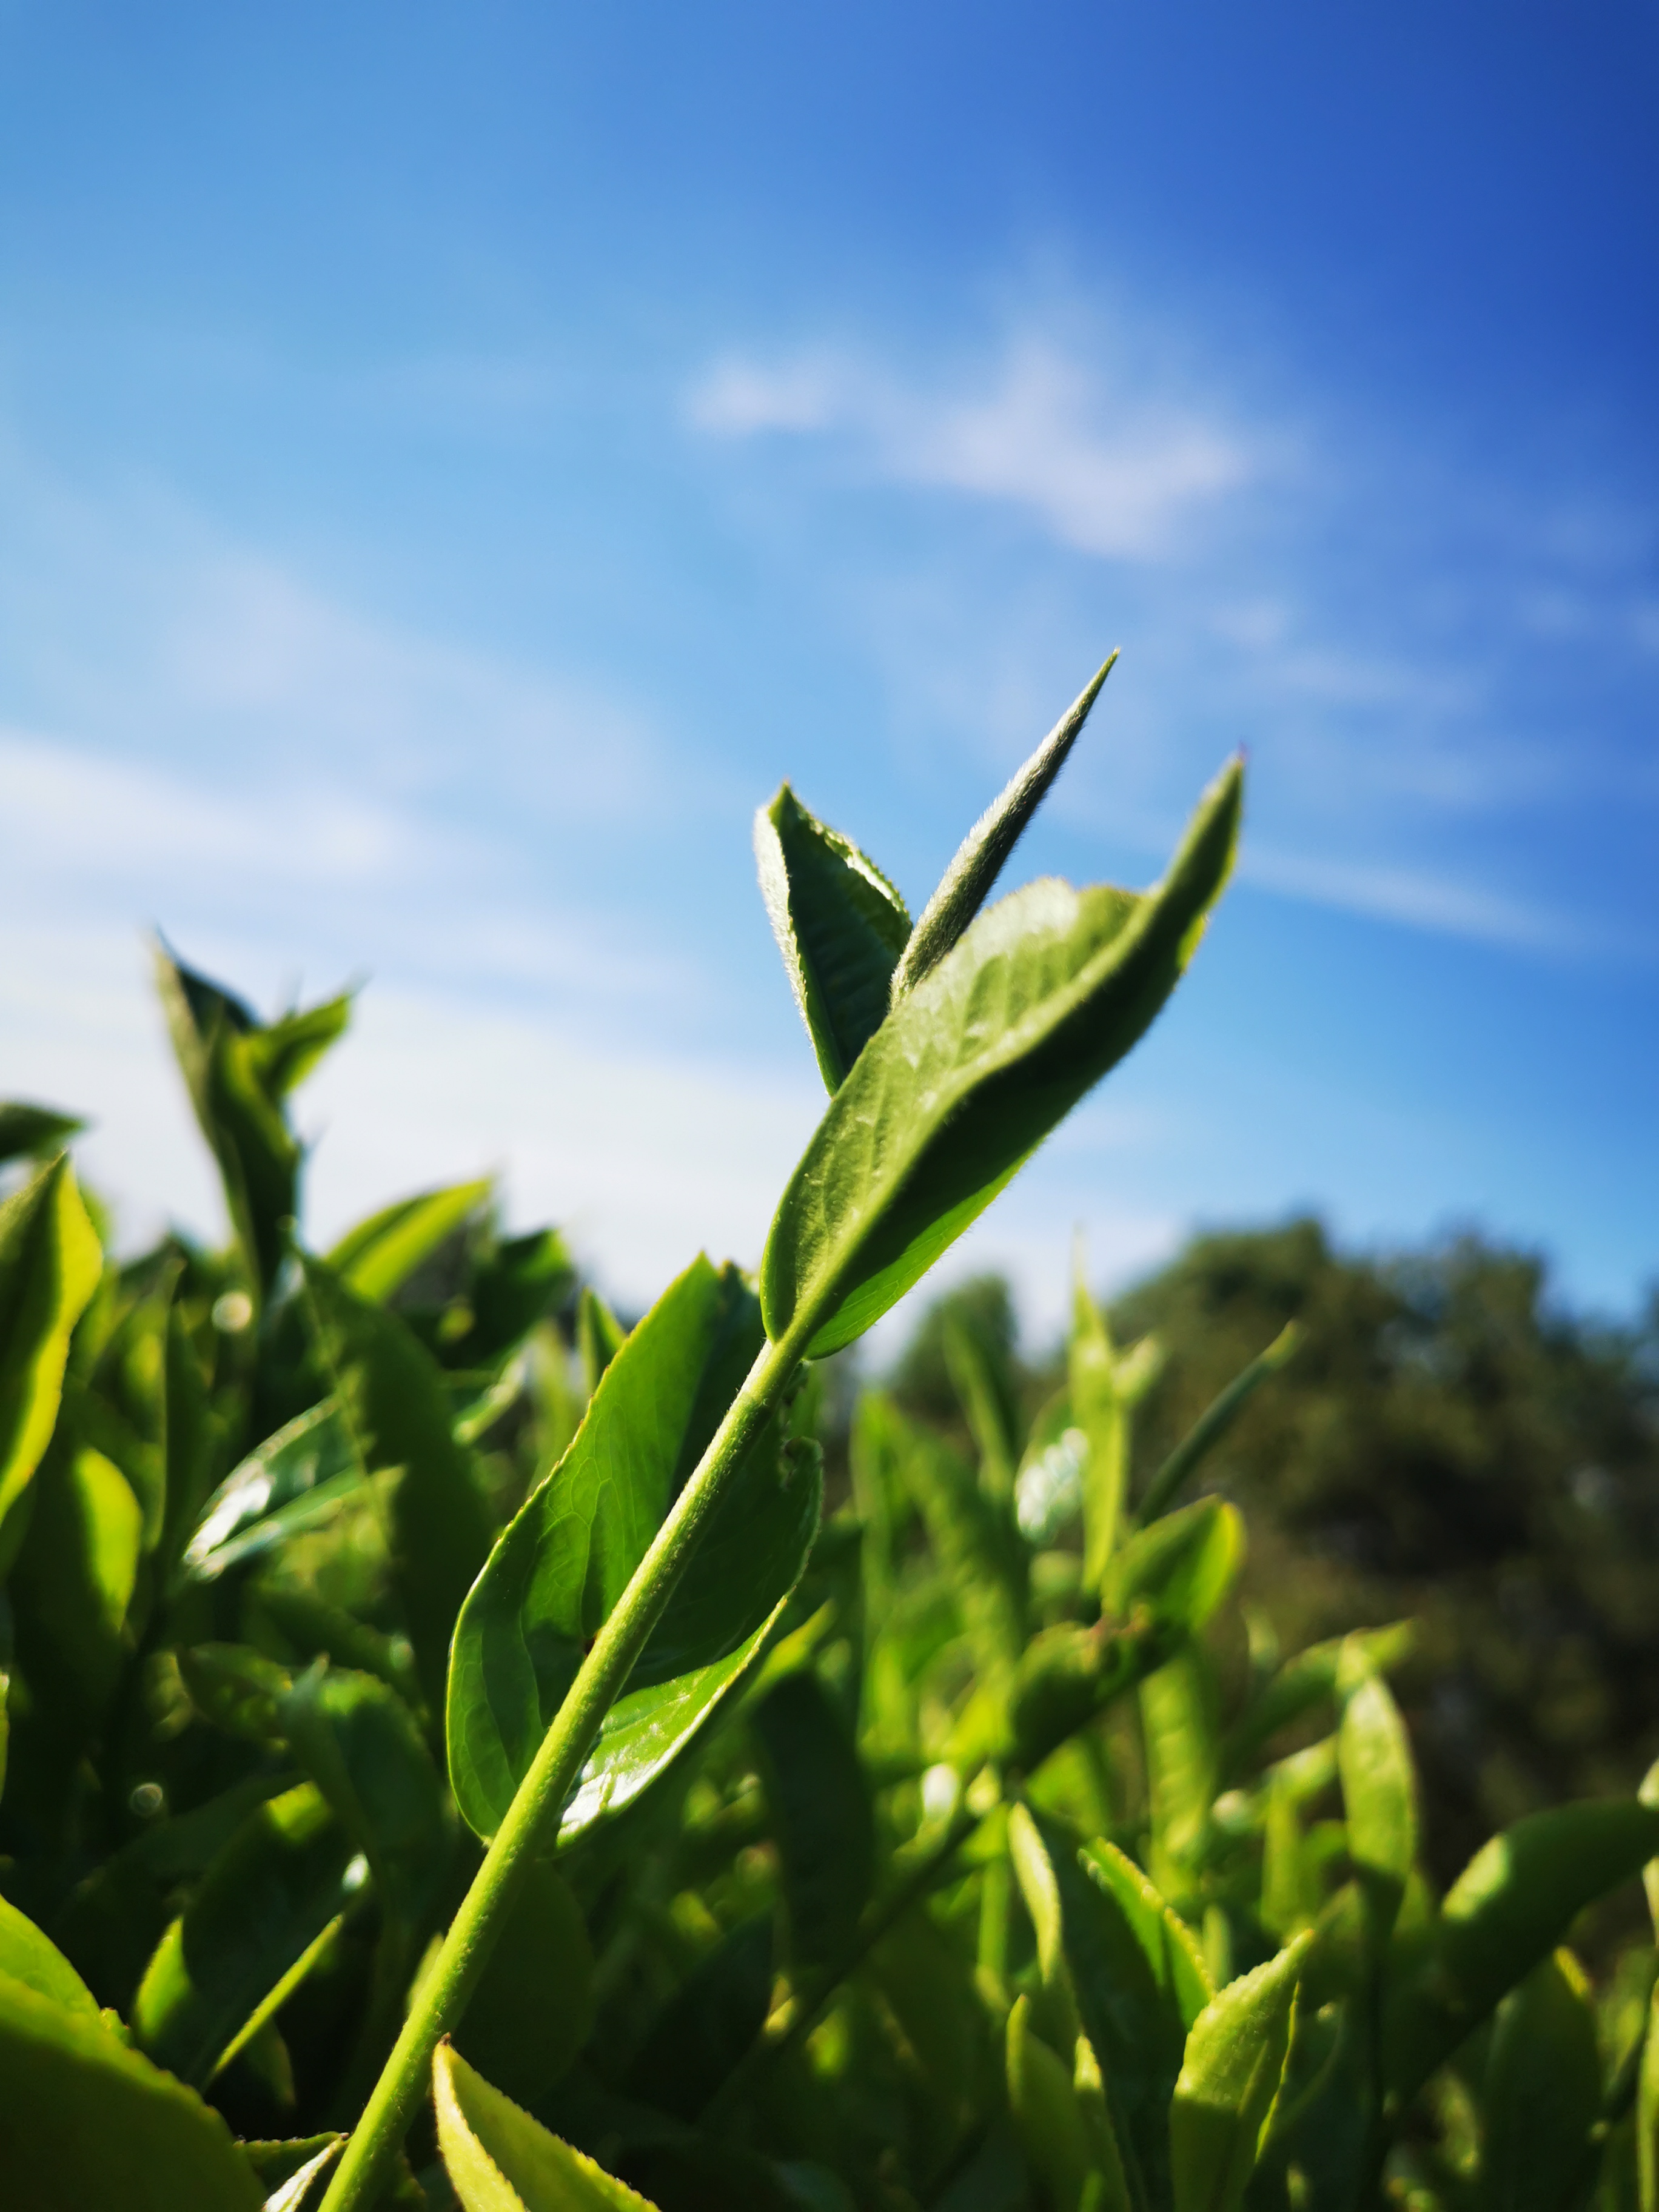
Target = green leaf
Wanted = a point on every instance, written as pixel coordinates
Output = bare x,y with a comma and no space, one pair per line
1508,1909
979,860
85,2121
981,1377
1229,2076
1214,1423
357,1740
1046,991
516,1282
708,2023
1047,2117
74,1582
1102,1418
239,1072
1542,2092
1178,1729
822,1818
1647,2114
1379,1794
533,2005
560,1564
502,2160
393,1395
266,1897
377,1257
1166,1943
291,2183
32,1131
298,1479
840,926
600,1337
975,1541
50,1264
238,1691
1138,1980
1302,1682
1181,1568
28,1957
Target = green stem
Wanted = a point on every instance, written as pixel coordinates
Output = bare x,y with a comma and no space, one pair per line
545,1790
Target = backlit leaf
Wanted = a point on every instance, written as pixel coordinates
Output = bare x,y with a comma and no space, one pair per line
1231,2072
87,2121
1542,2092
28,1957
267,1896
1046,991
979,860
502,2160
560,1564
50,1263
393,1396
377,1257
1379,1794
297,1478
840,926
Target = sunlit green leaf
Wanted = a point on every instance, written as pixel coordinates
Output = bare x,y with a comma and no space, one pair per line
1182,1567
392,1397
1178,1729
1301,1683
561,1565
979,860
297,1478
1047,2114
1542,2092
75,1581
28,1957
1231,2072
239,1072
502,2160
357,1740
49,1268
1379,1794
1508,1909
85,2121
840,926
266,1897
377,1257
1046,991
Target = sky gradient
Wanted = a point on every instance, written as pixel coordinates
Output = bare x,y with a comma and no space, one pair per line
453,463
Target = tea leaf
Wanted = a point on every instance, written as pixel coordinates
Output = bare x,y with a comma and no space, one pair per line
378,1256
840,926
1214,1423
296,1478
238,1690
1231,2072
1182,1567
239,1072
357,1740
1508,1909
1542,2092
502,2160
1173,1958
50,1264
28,1957
533,2006
87,2121
1045,992
1379,1794
392,1397
266,1897
979,860
708,2023
34,1132
600,1337
561,1564
822,1817
1178,1727
1302,1681
74,1582
979,1375
1048,2117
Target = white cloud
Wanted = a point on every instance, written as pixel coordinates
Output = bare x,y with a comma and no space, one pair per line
1105,469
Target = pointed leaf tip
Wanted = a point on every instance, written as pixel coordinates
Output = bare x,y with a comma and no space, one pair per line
966,883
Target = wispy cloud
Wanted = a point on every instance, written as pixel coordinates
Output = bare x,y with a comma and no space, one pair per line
1109,473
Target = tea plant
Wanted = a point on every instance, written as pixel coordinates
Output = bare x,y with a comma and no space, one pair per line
447,1739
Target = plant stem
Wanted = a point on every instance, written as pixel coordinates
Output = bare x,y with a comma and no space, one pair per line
533,1816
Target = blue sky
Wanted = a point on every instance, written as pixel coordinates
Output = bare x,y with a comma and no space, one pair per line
453,462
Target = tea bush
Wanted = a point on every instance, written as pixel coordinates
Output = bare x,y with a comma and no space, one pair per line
452,1756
